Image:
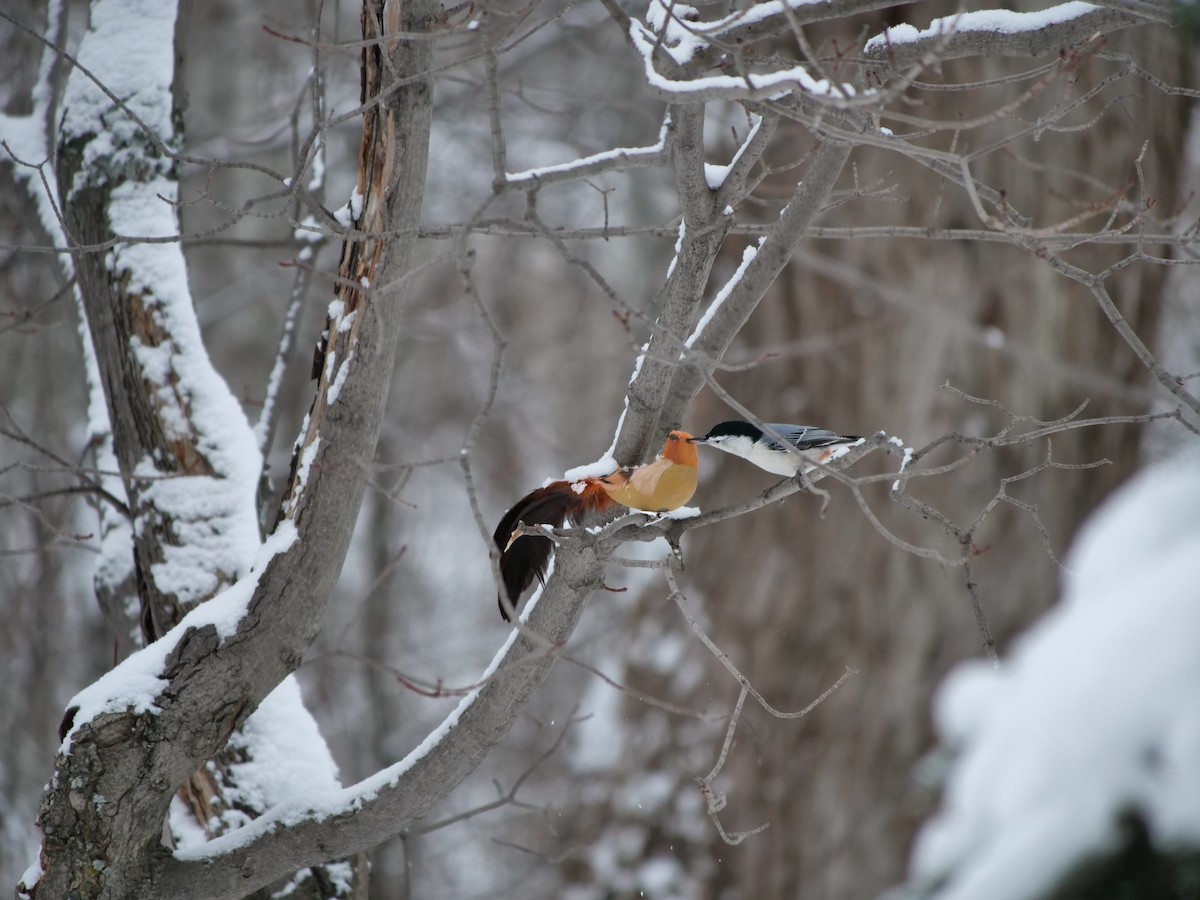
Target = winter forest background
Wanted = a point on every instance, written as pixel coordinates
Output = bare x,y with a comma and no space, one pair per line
985,233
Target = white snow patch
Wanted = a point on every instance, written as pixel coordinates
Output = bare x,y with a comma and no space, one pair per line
320,804
335,388
605,465
747,257
216,540
186,831
1093,717
29,879
309,231
128,47
905,460
671,264
136,683
285,750
755,13
302,471
1000,21
715,175
317,175
619,153
674,22
645,41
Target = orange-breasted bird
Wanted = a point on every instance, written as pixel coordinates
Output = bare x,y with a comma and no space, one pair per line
660,486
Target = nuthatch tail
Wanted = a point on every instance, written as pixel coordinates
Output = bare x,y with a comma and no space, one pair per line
781,449
661,486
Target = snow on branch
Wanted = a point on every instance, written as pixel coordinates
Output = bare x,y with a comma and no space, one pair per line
616,160
750,86
123,111
723,294
320,806
772,17
670,23
339,823
715,174
193,470
137,683
1001,32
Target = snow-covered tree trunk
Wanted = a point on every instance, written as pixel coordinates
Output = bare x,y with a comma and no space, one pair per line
190,464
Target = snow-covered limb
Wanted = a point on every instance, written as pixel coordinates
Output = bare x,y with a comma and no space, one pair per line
268,417
191,460
341,823
772,255
1091,721
702,231
751,86
747,257
326,802
278,748
772,17
1000,32
184,447
137,683
617,160
673,28
904,462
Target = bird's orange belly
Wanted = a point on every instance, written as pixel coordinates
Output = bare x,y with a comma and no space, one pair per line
672,489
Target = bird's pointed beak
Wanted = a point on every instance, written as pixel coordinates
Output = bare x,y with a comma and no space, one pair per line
697,440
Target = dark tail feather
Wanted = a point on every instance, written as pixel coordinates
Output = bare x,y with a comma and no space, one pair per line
529,555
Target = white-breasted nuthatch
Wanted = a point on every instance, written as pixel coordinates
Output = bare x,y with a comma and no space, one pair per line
781,449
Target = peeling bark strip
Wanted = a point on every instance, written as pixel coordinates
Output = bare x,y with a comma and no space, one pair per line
385,154
104,808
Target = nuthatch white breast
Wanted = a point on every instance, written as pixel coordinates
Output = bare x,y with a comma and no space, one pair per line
781,449
660,486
